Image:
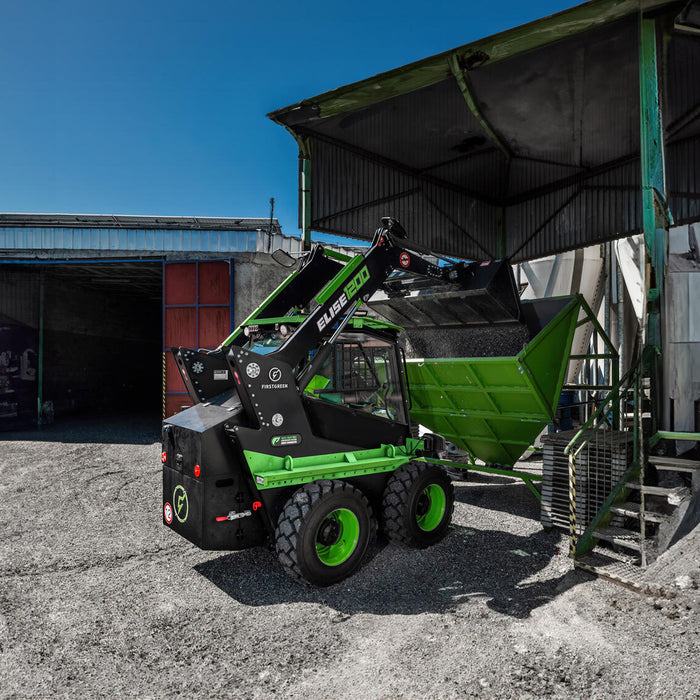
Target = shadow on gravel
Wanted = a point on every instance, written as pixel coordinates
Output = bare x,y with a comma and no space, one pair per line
126,429
486,491
469,565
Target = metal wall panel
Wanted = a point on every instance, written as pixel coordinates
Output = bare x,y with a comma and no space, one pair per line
682,127
19,296
353,192
683,177
592,211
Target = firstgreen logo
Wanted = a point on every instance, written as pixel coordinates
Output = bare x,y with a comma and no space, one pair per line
180,503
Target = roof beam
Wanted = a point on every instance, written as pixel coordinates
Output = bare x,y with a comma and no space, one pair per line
462,77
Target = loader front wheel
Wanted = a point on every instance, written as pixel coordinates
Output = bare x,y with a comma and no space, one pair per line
324,532
417,505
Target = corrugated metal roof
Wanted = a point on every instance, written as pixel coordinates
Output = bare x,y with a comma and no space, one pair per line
105,221
141,234
524,144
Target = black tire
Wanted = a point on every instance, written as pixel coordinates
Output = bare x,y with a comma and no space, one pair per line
324,532
417,505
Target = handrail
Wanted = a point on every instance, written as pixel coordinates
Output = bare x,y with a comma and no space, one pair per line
630,380
614,395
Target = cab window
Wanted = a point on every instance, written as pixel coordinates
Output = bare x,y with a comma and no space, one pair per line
362,373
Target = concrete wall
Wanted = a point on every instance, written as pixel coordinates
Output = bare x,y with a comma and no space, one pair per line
255,277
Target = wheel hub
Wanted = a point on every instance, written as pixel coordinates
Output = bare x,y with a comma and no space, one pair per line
329,533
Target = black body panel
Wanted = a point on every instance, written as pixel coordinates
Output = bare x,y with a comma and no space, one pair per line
335,422
196,437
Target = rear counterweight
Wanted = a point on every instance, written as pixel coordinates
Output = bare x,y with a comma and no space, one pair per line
208,496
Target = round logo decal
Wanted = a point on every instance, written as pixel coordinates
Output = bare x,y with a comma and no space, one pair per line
275,374
405,259
168,513
181,503
252,370
277,420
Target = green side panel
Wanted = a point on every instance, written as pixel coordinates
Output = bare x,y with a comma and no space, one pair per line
272,471
545,356
494,407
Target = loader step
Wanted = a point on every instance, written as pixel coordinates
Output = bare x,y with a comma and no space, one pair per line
676,464
632,510
619,536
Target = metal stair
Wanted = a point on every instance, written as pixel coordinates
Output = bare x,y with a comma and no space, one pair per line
633,542
677,464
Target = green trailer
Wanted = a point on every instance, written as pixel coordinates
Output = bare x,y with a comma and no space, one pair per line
494,407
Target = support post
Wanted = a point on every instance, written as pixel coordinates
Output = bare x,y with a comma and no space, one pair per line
40,369
305,194
656,217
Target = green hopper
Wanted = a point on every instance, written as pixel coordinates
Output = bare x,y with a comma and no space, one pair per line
494,407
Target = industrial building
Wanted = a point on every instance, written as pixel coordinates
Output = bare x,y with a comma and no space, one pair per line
90,304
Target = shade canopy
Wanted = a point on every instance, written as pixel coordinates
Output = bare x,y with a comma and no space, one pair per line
520,145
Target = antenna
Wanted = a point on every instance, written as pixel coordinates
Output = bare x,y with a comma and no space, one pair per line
272,212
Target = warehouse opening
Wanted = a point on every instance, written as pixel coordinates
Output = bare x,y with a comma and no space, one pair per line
80,338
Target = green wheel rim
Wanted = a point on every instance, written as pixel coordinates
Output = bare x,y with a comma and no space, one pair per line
337,537
431,507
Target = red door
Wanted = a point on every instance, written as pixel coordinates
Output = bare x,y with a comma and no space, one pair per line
197,313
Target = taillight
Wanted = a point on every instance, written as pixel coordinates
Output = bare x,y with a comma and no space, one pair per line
197,470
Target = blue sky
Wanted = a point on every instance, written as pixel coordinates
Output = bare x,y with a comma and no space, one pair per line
152,107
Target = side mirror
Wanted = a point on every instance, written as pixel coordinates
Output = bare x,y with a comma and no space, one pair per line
284,259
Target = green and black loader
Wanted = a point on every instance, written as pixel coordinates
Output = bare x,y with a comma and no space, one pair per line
301,435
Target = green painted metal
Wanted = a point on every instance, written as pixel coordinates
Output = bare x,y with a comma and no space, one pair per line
272,471
356,322
473,466
330,253
670,435
494,407
348,533
488,50
343,276
296,318
436,504
651,135
462,78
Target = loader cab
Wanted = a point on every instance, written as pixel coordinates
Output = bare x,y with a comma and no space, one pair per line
359,390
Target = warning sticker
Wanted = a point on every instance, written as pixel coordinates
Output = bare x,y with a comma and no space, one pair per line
168,513
405,259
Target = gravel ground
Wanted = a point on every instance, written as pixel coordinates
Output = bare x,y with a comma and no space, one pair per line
98,598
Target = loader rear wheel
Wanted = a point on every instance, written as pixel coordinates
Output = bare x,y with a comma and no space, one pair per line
324,532
417,505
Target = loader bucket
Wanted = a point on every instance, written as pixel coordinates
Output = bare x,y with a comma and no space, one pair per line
486,294
495,407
